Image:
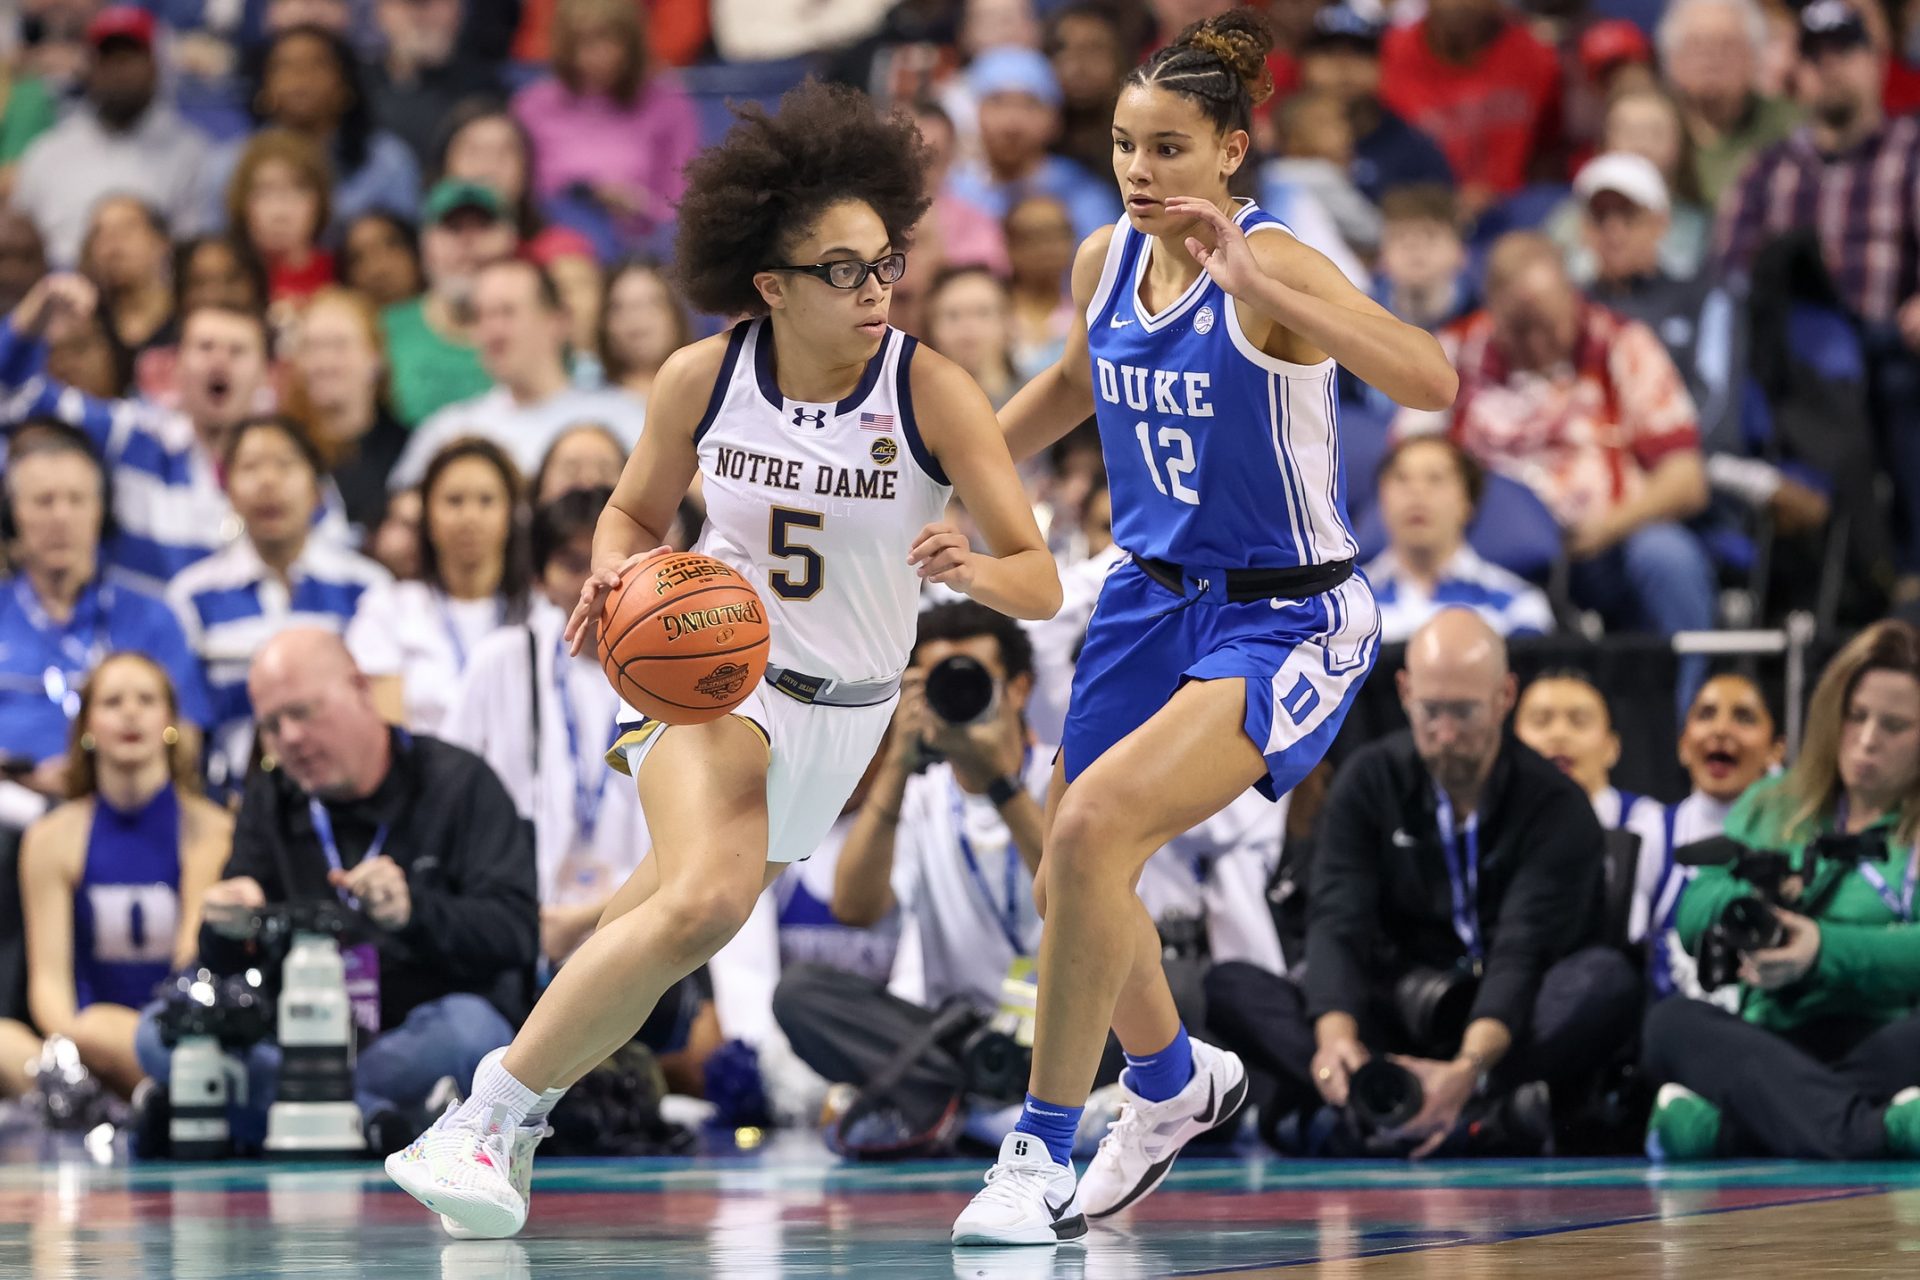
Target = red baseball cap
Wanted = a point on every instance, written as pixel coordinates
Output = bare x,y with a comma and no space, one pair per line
121,22
559,242
1609,45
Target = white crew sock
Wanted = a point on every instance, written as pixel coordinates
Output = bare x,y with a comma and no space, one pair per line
543,1105
498,1096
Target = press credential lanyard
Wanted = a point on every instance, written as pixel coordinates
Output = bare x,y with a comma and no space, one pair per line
1463,873
323,828
587,795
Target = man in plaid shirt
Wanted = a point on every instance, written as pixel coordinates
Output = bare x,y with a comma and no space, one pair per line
1853,176
1584,407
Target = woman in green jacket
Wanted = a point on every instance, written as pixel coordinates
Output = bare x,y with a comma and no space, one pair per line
1823,1059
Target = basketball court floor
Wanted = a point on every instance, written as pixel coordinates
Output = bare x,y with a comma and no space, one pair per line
789,1212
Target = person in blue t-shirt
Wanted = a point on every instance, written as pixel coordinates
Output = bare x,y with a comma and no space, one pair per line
60,615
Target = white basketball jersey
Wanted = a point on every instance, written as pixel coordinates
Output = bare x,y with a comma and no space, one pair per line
817,505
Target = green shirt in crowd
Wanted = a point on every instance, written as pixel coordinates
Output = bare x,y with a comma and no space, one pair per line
1868,967
429,372
1717,165
30,112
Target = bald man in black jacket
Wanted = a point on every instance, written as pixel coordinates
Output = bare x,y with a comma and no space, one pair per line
1448,855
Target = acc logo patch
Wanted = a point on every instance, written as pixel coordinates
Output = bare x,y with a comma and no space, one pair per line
723,682
883,452
1203,322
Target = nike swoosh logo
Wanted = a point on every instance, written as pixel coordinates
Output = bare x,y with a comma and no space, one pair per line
1401,840
1118,323
1206,1112
1055,1211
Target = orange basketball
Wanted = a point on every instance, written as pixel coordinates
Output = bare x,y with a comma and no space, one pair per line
683,638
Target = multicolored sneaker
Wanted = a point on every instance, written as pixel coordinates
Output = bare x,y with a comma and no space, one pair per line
526,1139
1139,1150
1903,1124
1684,1126
459,1168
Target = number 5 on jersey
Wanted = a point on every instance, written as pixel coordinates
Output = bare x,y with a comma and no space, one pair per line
781,545
1179,466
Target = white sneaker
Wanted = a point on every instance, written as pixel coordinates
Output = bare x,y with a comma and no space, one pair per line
459,1168
1029,1199
526,1139
1137,1153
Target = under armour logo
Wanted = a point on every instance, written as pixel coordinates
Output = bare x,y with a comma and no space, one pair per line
817,418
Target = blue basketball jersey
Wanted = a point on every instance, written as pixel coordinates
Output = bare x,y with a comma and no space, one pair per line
1218,455
126,908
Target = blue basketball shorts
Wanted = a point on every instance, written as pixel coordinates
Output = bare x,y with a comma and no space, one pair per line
1303,661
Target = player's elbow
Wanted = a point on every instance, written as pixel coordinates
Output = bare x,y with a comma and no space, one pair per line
1046,596
1435,388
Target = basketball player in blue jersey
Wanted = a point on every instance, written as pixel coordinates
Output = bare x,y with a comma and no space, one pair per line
1226,648
829,443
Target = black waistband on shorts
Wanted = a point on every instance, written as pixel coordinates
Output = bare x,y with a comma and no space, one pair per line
1298,583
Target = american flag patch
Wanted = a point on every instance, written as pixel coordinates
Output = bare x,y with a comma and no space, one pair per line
876,422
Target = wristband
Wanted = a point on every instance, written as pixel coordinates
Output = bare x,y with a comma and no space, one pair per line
1001,790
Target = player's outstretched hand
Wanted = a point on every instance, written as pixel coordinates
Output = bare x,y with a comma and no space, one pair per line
942,554
593,598
1230,261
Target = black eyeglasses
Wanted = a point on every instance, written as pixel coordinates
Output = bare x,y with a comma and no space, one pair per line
851,274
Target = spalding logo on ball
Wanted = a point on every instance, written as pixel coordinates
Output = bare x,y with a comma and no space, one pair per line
683,638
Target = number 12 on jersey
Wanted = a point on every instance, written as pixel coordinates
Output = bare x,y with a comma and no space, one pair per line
782,545
1179,466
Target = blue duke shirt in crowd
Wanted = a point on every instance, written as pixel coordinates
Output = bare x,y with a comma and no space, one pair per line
126,908
169,507
1658,884
1509,603
44,663
231,603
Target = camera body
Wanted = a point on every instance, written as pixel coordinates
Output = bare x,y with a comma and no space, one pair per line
1751,922
204,1021
960,691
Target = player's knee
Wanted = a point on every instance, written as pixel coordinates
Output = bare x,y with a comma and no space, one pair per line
705,916
1083,841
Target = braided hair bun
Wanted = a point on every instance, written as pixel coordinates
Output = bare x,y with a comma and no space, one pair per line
1220,64
1241,39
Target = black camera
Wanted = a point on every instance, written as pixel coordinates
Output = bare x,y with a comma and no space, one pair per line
235,1010
1747,924
1384,1095
1434,1005
961,691
996,1064
1751,922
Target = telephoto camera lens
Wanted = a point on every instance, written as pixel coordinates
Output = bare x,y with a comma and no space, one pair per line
1384,1095
960,690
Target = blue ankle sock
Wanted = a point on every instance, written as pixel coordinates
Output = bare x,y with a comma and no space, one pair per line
1052,1124
1158,1076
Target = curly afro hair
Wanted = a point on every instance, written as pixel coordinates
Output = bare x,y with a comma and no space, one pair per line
767,183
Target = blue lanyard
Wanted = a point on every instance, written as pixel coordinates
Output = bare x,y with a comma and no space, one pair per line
1463,876
62,682
586,795
458,645
1009,919
1902,904
1673,881
323,828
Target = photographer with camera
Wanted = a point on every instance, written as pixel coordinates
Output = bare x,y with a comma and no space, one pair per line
1454,890
950,833
421,843
1814,918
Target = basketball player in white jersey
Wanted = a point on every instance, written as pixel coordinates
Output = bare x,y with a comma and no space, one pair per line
829,443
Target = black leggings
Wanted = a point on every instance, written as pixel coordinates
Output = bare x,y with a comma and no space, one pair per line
1820,1094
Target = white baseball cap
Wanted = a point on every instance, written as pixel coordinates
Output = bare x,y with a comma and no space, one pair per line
1626,174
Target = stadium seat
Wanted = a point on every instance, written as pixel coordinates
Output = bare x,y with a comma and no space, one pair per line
1513,529
713,84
